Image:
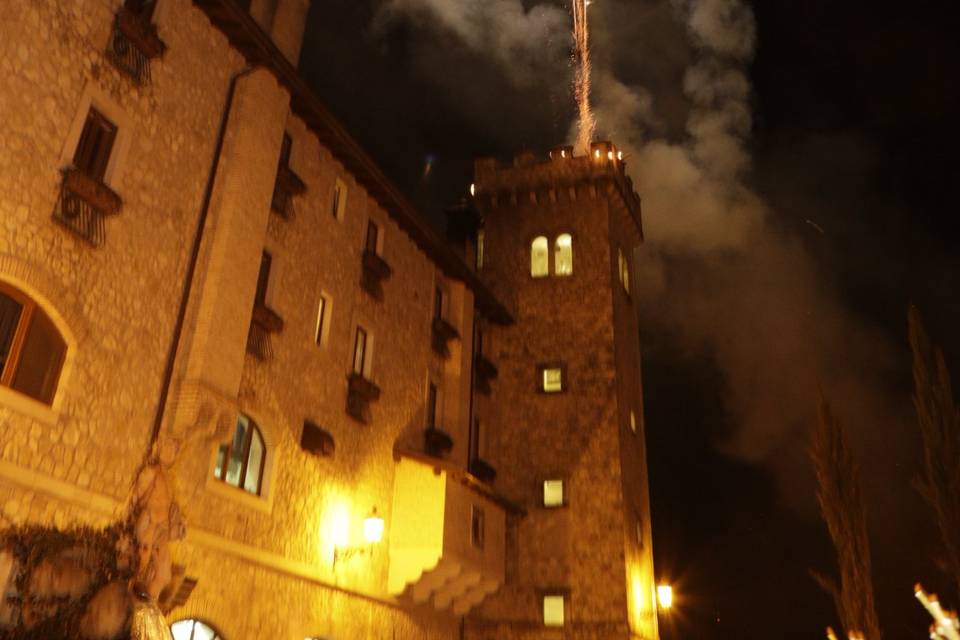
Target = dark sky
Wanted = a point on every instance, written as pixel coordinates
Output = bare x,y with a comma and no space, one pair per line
853,146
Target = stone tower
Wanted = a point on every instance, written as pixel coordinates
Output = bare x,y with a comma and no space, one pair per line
565,423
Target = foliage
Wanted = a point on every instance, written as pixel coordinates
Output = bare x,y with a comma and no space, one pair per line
841,504
939,420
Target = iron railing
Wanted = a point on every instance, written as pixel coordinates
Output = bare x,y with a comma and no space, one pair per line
127,57
258,342
83,204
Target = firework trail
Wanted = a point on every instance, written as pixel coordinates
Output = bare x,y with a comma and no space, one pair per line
581,87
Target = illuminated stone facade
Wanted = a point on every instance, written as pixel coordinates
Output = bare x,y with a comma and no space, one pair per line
154,283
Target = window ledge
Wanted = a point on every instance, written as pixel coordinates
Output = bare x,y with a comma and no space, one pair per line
27,406
245,498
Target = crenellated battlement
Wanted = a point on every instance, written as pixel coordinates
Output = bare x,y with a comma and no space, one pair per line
561,177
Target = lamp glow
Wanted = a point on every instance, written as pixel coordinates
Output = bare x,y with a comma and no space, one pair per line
373,528
665,596
473,189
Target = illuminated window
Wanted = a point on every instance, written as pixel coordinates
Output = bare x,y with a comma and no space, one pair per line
360,364
322,312
563,255
240,463
539,257
551,378
339,199
624,270
31,348
633,421
372,242
552,610
194,630
553,493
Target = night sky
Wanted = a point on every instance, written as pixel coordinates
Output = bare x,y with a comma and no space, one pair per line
783,262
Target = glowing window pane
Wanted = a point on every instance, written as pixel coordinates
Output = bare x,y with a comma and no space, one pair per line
553,380
553,611
624,270
553,493
539,257
563,255
633,421
251,481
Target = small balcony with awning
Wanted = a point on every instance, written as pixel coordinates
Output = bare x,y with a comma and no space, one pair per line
448,535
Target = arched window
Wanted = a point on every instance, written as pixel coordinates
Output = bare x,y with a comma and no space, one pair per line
563,255
31,348
240,463
191,629
539,257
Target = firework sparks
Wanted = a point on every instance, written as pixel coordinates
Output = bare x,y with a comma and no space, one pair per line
581,87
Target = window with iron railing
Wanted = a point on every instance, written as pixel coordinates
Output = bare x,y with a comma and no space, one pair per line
134,41
287,184
85,200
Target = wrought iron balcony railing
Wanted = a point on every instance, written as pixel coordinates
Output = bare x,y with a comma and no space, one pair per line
442,333
265,321
486,371
287,186
133,43
360,393
375,272
83,205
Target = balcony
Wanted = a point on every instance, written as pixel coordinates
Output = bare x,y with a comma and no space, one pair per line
133,43
486,371
375,272
287,186
83,205
437,443
360,393
265,321
442,333
447,538
482,470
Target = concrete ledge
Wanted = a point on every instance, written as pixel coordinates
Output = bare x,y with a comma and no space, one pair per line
65,491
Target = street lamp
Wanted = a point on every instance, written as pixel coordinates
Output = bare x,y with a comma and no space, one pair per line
372,535
665,596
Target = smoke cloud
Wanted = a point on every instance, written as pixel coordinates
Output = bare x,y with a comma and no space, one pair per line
717,273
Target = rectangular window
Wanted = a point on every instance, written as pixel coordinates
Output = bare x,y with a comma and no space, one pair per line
285,149
263,279
339,199
438,304
321,318
96,142
551,378
633,421
360,352
553,493
481,236
431,405
373,237
624,265
476,526
553,610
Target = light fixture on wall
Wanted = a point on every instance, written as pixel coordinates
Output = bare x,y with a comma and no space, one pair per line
372,535
665,596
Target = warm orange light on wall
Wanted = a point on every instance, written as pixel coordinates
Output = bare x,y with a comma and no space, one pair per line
373,528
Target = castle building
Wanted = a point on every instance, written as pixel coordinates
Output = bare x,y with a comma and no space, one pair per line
373,431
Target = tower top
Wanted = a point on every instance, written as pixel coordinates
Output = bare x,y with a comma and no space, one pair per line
562,175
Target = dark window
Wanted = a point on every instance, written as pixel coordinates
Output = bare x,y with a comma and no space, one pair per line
321,316
438,304
360,351
285,150
31,348
263,279
96,142
143,8
373,235
476,526
478,343
432,405
240,463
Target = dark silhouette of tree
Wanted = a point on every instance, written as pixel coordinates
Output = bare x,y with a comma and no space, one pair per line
939,420
842,508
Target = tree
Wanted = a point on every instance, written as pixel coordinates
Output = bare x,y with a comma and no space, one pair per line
841,504
939,420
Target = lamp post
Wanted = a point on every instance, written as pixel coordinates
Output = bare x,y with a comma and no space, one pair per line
372,535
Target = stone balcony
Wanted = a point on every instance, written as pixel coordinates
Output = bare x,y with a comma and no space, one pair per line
448,535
